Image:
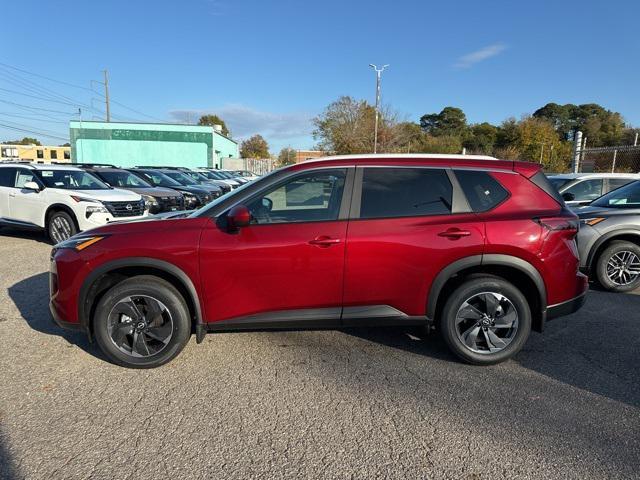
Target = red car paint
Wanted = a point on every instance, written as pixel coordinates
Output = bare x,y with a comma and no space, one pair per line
343,263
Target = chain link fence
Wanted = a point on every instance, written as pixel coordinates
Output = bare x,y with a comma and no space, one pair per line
621,159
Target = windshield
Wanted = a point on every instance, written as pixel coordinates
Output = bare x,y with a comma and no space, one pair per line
209,175
159,179
196,177
70,180
624,197
123,179
559,182
225,175
180,177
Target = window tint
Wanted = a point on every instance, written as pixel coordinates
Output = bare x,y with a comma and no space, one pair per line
618,182
7,177
23,177
122,179
483,192
311,197
549,186
585,190
625,197
404,192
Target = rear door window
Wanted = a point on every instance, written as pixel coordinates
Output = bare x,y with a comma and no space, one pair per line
7,177
614,183
405,192
583,191
483,192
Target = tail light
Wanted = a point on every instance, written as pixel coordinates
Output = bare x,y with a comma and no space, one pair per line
568,226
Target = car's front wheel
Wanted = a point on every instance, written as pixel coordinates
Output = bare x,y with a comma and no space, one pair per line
486,320
618,267
60,227
142,322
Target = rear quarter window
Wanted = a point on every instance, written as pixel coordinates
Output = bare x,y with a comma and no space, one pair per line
483,192
541,181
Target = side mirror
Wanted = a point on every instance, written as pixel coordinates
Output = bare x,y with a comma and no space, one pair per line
31,186
238,217
568,197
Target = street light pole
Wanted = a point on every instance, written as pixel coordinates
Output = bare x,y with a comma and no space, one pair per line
375,129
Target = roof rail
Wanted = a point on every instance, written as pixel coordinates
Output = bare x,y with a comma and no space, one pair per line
20,162
93,165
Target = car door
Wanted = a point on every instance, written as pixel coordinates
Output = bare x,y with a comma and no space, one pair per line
7,180
407,224
26,205
286,266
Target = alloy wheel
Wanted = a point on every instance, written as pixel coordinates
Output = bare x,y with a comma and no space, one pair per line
486,323
60,229
140,326
623,268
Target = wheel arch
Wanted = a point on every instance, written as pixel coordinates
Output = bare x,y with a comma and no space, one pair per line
628,234
59,207
111,273
513,269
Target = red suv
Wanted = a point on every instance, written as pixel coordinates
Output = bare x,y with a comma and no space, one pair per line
480,248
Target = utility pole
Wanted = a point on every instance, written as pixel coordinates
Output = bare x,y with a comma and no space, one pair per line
106,93
375,131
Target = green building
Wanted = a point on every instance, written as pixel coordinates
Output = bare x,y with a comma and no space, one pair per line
131,144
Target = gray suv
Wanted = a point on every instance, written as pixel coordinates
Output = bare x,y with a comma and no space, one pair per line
609,238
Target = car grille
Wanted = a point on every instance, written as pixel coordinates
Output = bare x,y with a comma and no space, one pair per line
125,209
168,204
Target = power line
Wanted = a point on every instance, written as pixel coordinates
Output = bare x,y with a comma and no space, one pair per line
35,108
33,132
22,125
26,117
45,77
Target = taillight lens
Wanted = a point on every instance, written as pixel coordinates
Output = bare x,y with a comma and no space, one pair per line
567,226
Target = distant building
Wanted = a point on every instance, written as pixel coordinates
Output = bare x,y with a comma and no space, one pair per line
304,155
35,153
131,144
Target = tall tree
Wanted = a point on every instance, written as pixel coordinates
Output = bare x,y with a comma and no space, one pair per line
254,147
24,141
211,120
287,156
481,138
450,121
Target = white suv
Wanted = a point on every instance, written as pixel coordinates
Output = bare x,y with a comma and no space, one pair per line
63,200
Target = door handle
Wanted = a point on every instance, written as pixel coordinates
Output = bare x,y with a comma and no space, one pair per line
454,233
12,194
324,241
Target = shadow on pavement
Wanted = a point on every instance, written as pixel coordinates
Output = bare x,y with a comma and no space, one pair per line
31,297
26,234
595,349
8,469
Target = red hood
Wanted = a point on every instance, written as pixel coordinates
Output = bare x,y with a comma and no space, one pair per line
149,224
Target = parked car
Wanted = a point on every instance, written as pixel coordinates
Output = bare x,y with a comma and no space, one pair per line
583,188
246,174
200,177
609,238
230,175
157,199
217,175
62,200
482,249
194,196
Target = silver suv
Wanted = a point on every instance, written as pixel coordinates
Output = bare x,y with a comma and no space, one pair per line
583,188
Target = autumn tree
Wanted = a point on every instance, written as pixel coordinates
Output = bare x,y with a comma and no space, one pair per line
254,147
287,156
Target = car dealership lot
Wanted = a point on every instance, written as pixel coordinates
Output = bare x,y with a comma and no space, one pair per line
330,404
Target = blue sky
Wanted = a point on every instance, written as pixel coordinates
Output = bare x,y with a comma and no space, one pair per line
269,66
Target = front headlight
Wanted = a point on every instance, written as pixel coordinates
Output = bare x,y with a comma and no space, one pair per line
189,198
79,244
149,201
91,209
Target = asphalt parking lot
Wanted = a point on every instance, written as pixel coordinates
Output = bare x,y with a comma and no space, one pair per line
365,403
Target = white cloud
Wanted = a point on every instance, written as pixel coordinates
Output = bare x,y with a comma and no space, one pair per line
470,59
245,121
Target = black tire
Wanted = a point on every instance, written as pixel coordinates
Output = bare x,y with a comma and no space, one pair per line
175,321
475,288
614,251
60,226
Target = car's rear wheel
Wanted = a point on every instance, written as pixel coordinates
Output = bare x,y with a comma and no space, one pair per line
618,267
60,227
142,322
486,320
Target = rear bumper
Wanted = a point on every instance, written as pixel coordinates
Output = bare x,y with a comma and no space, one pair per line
566,308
